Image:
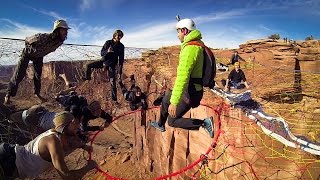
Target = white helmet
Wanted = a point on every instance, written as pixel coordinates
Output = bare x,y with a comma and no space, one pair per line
186,23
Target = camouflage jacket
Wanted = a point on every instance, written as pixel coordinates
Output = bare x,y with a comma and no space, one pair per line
41,44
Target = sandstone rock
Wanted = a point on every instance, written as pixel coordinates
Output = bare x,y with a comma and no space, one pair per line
310,50
102,162
258,41
149,53
311,43
125,158
173,149
316,111
310,66
306,57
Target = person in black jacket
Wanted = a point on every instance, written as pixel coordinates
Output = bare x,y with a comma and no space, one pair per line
134,96
93,111
236,79
235,58
83,111
112,54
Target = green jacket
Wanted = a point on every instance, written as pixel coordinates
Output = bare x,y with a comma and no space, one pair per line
190,65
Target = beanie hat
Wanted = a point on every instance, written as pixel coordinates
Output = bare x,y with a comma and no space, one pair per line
61,120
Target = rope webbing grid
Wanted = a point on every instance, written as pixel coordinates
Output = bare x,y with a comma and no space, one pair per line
190,166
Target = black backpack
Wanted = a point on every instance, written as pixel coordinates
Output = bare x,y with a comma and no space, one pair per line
209,66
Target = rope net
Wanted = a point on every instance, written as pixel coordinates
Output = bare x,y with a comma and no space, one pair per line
276,139
11,49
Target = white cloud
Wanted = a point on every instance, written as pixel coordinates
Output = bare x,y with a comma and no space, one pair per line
264,28
86,4
150,35
106,4
17,30
218,16
49,13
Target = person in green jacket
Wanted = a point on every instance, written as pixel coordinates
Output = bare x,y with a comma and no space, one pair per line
186,94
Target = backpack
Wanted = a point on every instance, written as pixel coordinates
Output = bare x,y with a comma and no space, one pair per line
209,66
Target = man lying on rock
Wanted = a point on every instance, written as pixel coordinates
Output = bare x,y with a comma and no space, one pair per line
236,79
186,94
83,111
79,107
134,96
45,151
38,119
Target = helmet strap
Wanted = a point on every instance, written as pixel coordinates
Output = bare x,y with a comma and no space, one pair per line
185,31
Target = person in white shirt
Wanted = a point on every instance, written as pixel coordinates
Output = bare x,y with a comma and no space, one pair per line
45,151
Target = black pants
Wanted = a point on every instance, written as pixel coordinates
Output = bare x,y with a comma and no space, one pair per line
7,160
182,108
92,65
20,73
124,90
112,75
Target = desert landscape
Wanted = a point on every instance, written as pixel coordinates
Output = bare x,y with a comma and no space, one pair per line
283,77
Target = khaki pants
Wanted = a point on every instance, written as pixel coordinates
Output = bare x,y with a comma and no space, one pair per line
20,73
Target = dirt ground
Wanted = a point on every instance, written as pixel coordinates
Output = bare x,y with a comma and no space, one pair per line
113,147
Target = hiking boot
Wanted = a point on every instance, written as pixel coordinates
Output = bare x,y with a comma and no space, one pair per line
156,125
208,126
7,99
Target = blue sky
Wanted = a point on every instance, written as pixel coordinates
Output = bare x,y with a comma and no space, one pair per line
150,24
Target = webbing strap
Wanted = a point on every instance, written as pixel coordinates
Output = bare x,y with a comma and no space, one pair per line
24,116
196,80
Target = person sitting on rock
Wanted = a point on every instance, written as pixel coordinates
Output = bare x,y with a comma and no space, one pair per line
236,79
112,54
134,96
235,58
186,93
45,151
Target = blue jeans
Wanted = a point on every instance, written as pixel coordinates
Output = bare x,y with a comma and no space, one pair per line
233,84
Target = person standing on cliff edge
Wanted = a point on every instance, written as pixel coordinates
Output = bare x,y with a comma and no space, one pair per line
186,93
36,47
112,59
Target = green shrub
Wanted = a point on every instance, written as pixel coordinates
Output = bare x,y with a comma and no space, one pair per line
274,36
